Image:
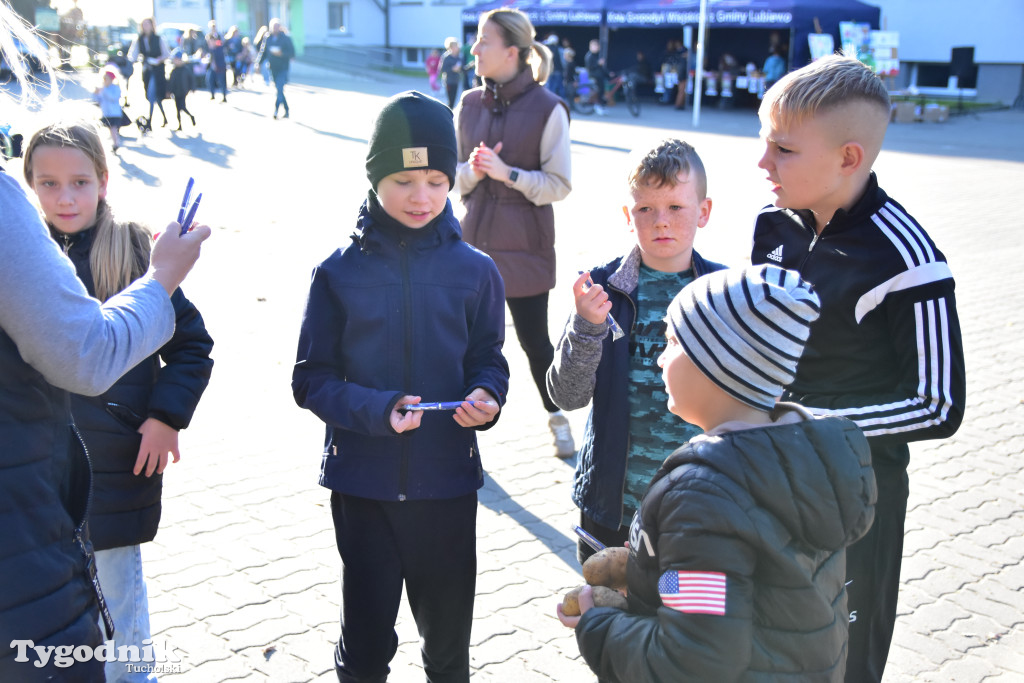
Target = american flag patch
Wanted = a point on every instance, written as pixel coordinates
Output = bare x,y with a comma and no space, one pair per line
693,592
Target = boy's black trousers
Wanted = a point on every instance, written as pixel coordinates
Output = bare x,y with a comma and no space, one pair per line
430,546
873,572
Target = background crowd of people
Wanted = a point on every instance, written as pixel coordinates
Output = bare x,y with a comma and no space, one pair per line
192,61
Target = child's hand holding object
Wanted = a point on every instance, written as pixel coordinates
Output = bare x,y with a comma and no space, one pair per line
605,574
592,302
583,288
479,408
402,419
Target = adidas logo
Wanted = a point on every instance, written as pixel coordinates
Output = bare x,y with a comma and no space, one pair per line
776,254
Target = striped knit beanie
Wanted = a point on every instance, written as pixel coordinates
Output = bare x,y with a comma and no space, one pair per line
745,329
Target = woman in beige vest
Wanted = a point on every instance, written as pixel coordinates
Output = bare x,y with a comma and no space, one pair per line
513,163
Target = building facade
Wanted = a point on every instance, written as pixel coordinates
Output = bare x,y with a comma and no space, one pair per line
978,44
398,32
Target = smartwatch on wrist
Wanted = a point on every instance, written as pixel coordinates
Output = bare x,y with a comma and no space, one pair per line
513,175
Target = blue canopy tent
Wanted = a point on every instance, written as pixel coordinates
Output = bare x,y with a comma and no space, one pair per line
733,25
798,17
575,20
544,12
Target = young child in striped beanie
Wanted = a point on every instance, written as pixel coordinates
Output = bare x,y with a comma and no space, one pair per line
737,554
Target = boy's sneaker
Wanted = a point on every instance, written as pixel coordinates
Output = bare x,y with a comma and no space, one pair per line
565,447
599,110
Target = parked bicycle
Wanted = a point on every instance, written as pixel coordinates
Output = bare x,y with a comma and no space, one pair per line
629,85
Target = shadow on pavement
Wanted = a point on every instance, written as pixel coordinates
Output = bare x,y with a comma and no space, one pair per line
339,136
132,171
213,152
141,148
495,498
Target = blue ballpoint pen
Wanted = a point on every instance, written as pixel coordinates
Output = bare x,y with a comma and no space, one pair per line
443,405
184,200
191,214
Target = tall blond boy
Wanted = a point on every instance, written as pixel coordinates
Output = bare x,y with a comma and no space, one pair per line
625,435
886,351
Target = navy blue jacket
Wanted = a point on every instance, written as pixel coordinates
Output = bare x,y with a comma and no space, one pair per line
43,462
400,311
281,62
45,592
601,464
126,507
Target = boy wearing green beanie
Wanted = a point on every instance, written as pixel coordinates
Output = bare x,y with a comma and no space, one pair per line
406,313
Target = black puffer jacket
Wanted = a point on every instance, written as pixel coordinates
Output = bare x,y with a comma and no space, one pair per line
126,507
770,512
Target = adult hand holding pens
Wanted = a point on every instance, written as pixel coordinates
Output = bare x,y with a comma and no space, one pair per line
174,254
479,408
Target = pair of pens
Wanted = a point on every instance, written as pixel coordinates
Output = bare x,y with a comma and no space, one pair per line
185,214
444,405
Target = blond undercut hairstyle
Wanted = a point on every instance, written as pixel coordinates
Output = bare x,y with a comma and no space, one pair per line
517,31
823,85
120,251
665,162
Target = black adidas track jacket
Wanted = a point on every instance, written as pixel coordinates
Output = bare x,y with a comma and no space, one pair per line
886,351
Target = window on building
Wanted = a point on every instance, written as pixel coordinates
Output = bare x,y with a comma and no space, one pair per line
338,14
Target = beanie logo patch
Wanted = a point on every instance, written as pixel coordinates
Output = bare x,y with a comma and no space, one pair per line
414,157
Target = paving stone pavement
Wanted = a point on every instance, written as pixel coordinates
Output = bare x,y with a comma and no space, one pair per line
243,575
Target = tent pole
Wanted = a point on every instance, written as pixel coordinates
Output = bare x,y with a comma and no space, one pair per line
790,66
698,77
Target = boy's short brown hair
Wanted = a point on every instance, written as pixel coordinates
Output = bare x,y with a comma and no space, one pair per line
822,85
664,163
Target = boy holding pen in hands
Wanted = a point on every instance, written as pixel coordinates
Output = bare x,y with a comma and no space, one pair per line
624,442
406,311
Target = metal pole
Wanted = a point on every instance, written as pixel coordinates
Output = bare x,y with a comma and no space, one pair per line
698,78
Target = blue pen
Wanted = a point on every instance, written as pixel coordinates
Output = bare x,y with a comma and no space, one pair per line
184,200
191,214
617,332
444,405
588,539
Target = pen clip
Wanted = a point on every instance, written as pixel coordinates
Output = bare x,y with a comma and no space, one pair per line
184,200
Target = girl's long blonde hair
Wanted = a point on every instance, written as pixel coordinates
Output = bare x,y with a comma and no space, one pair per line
120,250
